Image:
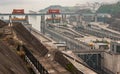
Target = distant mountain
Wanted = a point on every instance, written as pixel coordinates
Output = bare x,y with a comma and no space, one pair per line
110,8
62,8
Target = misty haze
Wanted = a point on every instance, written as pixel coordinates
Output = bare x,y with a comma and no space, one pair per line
60,37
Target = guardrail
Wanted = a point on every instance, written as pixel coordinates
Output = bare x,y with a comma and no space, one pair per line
35,62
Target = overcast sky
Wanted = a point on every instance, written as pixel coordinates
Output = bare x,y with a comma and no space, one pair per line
8,5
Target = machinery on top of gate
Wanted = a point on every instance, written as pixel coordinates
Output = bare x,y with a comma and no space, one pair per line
53,11
53,18
18,11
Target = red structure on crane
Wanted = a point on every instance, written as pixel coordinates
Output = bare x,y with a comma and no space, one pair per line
53,11
18,11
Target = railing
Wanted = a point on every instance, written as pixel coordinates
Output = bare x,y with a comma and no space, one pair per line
35,62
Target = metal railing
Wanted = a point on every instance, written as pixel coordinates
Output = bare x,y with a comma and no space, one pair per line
35,62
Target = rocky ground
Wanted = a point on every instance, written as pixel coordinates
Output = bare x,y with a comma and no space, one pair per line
10,62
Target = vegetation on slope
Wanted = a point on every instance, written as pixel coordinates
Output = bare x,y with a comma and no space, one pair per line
110,8
114,10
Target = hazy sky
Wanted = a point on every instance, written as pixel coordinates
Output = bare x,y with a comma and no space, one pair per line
8,5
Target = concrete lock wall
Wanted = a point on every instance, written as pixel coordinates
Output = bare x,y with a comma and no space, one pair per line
59,57
111,63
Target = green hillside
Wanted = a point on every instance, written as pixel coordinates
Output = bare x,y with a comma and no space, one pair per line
111,8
